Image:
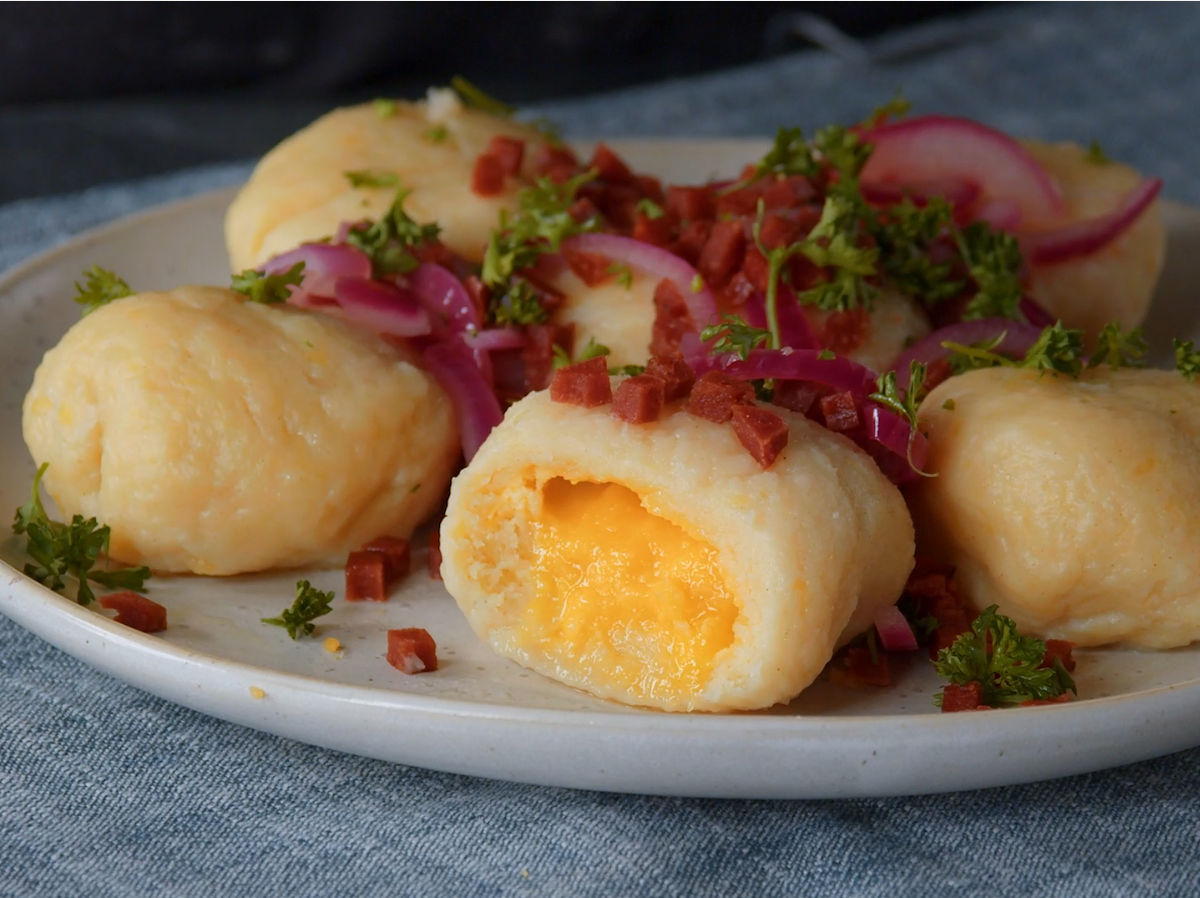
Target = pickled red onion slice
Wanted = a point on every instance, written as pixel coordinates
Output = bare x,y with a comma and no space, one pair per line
1086,237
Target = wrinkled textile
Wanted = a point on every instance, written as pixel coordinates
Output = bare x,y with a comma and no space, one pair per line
108,791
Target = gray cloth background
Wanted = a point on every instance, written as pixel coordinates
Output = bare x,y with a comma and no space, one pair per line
106,791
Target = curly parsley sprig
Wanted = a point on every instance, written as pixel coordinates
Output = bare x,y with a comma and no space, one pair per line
268,288
1058,349
734,335
59,550
1187,359
1006,665
99,288
388,241
310,604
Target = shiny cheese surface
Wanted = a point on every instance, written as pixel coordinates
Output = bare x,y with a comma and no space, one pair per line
624,595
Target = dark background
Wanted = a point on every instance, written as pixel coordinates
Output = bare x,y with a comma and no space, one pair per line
98,92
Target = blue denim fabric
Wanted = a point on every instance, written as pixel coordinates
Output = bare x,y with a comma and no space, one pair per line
107,791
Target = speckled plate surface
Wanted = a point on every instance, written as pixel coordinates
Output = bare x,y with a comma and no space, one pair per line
480,714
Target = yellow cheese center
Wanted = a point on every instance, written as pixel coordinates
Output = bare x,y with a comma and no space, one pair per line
625,599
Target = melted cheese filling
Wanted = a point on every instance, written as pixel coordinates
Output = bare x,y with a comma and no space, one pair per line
624,597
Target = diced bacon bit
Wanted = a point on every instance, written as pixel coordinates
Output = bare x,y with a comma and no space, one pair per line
509,151
136,611
789,192
778,231
690,204
619,202
435,554
798,395
968,697
671,319
591,268
840,412
487,179
639,400
657,231
691,240
556,163
761,431
756,269
650,187
411,651
1060,649
739,289
584,383
715,394
397,554
858,668
612,168
537,355
844,332
366,577
722,253
676,374
740,203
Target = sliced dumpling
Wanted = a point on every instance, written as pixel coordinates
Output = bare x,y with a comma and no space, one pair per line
1071,504
219,436
299,191
659,565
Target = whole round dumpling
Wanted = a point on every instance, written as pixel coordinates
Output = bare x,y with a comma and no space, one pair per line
659,565
219,436
1070,504
1117,282
299,192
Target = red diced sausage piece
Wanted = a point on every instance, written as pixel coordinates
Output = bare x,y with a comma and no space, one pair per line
366,577
411,651
611,167
672,319
1060,649
650,187
844,332
584,209
396,552
778,231
509,151
740,203
591,268
761,431
798,395
840,412
136,611
691,240
715,394
952,623
556,163
756,269
722,253
538,354
488,177
962,698
639,400
584,383
619,202
788,193
690,204
435,554
657,231
862,668
676,374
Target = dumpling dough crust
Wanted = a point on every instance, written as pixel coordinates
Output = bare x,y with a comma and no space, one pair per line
1070,504
809,548
220,436
299,193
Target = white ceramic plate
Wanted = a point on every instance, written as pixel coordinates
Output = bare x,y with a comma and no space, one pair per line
482,715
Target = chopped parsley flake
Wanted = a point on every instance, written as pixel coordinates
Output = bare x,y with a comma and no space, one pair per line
1096,154
73,549
627,370
385,108
100,287
1187,359
993,258
650,209
268,288
1118,349
309,605
593,350
623,274
1058,349
436,134
948,405
734,335
387,241
366,178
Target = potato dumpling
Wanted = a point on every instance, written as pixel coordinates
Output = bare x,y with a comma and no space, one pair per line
219,436
895,322
658,564
1117,282
299,193
1069,503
